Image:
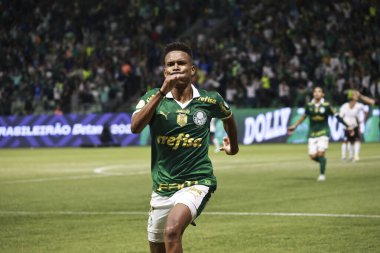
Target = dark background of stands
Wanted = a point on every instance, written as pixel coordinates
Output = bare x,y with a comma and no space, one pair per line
101,56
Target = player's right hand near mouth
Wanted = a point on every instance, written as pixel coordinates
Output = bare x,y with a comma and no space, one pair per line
170,81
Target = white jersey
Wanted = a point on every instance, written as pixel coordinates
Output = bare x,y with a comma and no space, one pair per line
352,116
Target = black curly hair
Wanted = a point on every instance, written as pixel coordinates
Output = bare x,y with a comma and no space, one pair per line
177,46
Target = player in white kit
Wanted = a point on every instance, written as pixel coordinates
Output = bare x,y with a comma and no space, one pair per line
352,112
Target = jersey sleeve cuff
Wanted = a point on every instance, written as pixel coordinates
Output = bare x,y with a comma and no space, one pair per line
229,116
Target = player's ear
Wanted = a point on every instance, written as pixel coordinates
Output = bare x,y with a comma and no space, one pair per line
166,73
193,70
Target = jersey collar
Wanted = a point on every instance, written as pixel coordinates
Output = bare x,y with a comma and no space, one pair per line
195,93
320,102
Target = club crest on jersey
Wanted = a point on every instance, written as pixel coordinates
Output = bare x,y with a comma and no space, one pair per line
181,119
322,110
200,118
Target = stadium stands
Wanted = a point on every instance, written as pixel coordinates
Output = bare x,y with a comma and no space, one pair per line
100,56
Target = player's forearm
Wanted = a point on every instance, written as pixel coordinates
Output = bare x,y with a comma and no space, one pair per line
299,121
340,119
142,118
367,100
231,130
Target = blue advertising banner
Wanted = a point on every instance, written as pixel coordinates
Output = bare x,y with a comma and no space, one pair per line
270,125
71,130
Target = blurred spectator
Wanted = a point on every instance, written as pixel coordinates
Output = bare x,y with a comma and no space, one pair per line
58,111
100,56
284,93
251,85
231,92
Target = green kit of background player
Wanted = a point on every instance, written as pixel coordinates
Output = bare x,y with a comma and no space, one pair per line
318,112
179,118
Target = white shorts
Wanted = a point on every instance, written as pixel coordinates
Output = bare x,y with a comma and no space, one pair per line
195,197
318,144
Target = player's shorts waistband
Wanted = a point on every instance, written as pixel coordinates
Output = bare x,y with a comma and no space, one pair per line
170,187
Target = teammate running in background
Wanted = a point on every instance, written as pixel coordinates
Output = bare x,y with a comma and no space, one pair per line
351,114
318,112
179,118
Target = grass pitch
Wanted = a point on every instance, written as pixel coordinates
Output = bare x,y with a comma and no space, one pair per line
268,200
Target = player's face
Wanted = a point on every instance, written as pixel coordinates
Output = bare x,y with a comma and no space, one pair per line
318,93
179,63
355,96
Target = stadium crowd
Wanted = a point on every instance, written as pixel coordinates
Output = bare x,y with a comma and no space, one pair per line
100,56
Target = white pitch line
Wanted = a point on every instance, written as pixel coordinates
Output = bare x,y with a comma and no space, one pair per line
39,180
79,213
84,213
139,169
99,172
133,169
295,214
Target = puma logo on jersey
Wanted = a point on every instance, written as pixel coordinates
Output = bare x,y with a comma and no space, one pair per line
164,114
182,139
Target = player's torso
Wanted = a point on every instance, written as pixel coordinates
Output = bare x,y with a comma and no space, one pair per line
180,137
318,115
351,113
188,125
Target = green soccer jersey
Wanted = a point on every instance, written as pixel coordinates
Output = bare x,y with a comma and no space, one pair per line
318,115
180,136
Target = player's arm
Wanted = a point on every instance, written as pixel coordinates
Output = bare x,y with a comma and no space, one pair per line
230,143
341,120
295,125
365,99
142,118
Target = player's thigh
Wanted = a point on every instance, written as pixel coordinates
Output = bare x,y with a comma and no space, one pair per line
312,146
322,144
352,137
357,134
347,136
160,208
194,197
178,219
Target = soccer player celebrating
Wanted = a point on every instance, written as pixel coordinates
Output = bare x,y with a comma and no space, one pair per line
179,118
350,112
318,137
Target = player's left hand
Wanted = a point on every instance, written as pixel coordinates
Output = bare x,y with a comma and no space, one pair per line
291,129
226,146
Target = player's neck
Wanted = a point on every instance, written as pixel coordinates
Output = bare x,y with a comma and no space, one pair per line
183,95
